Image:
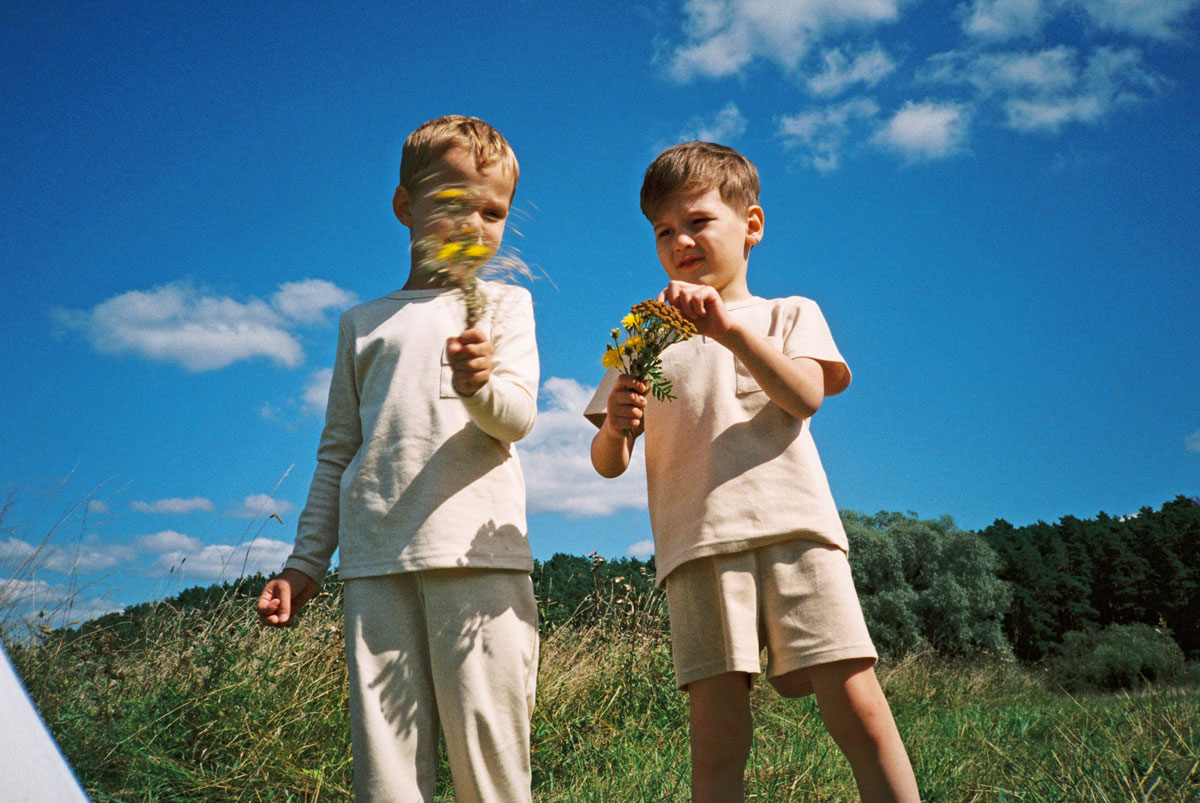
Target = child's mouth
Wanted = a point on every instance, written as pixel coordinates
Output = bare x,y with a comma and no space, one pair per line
687,263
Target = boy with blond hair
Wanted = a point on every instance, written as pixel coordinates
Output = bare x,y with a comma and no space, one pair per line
748,542
419,488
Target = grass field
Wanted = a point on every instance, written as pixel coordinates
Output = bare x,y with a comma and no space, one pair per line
190,706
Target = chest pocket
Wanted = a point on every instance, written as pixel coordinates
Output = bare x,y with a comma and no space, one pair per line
745,383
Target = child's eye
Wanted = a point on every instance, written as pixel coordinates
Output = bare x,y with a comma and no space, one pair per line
663,233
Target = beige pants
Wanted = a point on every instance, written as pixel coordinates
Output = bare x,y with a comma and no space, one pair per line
455,646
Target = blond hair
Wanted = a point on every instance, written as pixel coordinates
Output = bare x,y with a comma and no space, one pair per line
695,167
431,140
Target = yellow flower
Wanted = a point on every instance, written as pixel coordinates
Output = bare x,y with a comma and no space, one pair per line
634,343
611,358
453,192
448,251
631,321
475,251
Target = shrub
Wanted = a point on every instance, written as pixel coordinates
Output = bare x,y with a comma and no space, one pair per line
1117,657
925,584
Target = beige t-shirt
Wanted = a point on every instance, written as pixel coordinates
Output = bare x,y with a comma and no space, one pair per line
410,475
727,469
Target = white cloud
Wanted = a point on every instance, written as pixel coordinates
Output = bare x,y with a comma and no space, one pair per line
308,301
1046,89
167,541
559,477
723,126
1192,442
1001,20
225,561
256,505
926,130
36,602
641,549
316,391
821,134
1159,19
19,557
840,72
1054,69
173,506
180,324
1111,79
723,36
97,506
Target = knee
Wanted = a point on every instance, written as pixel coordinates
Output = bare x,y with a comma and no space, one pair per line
719,748
865,725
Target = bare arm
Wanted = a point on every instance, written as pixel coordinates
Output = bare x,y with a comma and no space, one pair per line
612,446
795,385
284,596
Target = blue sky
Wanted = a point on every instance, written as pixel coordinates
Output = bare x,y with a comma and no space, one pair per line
994,202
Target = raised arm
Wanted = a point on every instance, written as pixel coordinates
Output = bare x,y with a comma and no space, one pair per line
612,446
497,379
796,385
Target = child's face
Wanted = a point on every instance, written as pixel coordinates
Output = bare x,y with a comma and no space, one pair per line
481,209
702,240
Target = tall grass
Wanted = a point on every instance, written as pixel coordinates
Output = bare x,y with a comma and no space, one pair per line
180,704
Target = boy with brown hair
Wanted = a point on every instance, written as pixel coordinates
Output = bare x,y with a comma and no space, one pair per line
748,542
419,488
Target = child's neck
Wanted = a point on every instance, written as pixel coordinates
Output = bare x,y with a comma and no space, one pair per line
420,279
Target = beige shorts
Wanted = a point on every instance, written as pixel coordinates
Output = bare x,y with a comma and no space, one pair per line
795,598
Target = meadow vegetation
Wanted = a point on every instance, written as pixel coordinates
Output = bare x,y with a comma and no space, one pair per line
191,700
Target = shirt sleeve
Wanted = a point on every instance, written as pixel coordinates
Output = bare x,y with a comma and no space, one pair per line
317,532
506,406
809,336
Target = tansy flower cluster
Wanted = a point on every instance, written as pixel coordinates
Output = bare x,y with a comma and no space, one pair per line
649,327
459,260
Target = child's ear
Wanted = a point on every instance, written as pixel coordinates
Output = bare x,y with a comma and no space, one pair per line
400,206
754,225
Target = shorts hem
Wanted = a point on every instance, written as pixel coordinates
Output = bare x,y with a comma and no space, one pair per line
731,664
826,657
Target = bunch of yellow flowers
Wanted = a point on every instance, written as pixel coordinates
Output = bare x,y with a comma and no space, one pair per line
650,327
460,260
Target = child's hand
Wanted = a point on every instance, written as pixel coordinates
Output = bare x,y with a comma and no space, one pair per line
626,407
472,358
700,304
284,596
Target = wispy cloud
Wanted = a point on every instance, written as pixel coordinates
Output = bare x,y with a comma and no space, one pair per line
260,505
725,125
86,557
925,130
97,506
173,506
559,477
1043,90
1192,442
723,36
167,541
1002,20
841,71
821,134
181,324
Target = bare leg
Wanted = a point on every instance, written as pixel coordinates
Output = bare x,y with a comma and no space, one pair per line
721,730
859,719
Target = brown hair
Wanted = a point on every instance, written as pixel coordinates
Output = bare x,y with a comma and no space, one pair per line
694,167
430,140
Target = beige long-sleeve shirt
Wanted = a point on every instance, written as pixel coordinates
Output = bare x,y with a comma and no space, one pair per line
410,475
